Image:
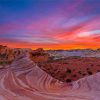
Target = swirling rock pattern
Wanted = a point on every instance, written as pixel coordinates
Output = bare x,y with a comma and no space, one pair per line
24,80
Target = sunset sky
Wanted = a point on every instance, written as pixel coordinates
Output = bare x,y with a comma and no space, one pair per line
50,24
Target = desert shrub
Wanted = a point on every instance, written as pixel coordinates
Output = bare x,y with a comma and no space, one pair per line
1,63
74,75
90,73
65,63
79,72
5,62
2,55
68,71
92,65
51,58
98,70
83,74
87,68
68,80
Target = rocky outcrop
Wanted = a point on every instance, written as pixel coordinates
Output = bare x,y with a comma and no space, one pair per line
24,80
7,55
39,55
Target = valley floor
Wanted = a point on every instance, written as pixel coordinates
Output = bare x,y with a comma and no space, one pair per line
71,68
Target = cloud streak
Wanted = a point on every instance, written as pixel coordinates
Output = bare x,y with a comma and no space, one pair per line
50,24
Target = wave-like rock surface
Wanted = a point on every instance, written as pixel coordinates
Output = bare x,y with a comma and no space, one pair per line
24,80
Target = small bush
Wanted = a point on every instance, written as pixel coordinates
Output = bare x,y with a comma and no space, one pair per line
83,74
98,70
74,75
68,80
87,68
68,71
92,65
80,72
90,73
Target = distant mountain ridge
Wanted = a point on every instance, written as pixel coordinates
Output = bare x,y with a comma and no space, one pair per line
76,52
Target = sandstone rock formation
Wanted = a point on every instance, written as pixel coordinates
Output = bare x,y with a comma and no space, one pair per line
24,80
39,55
7,55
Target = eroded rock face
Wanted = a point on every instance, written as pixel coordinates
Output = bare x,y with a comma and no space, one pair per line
39,55
7,55
24,80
